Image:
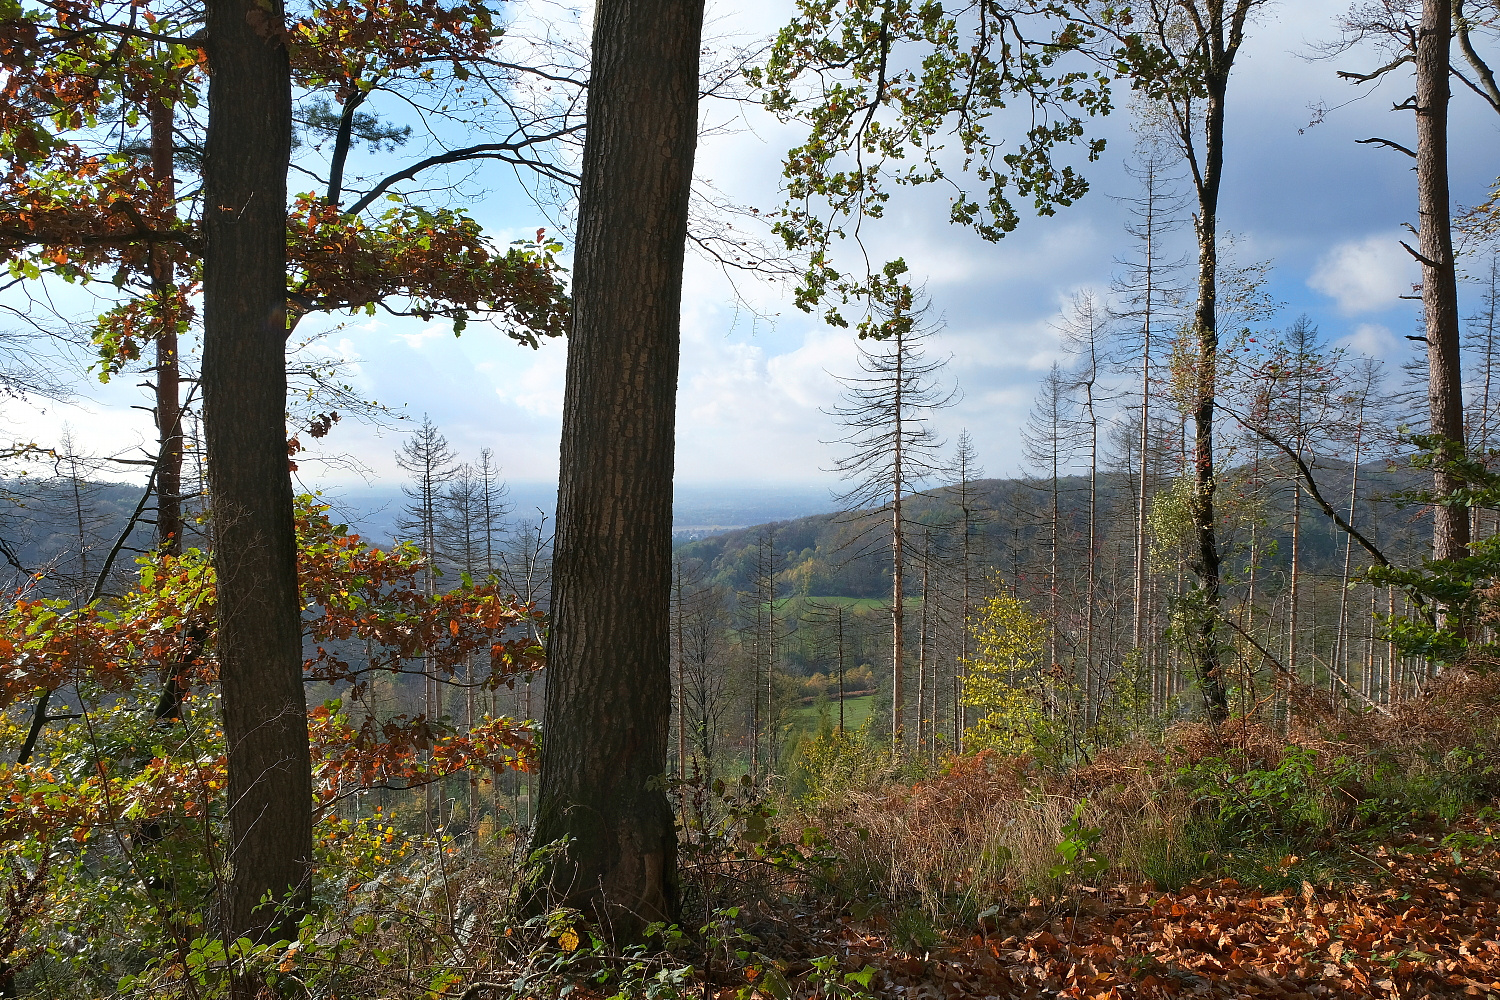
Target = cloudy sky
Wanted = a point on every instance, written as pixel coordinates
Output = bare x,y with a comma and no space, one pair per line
1326,213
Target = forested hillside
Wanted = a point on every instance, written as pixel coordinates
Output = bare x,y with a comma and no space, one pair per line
683,649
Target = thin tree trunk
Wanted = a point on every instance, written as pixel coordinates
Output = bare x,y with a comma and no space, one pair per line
431,696
1392,681
1340,659
259,646
168,390
607,697
168,373
681,688
473,772
1206,560
1052,588
1089,700
770,647
898,609
1294,600
760,634
922,651
1142,494
839,627
961,671
1219,34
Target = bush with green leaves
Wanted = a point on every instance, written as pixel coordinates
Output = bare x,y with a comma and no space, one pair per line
1266,804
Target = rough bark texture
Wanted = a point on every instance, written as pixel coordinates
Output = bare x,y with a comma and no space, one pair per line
1450,525
609,687
244,396
1206,559
1219,34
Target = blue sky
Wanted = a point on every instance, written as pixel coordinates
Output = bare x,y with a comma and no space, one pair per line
1326,213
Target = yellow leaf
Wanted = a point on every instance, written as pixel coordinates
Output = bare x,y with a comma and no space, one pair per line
568,940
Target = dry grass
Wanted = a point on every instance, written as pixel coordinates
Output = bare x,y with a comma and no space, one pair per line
987,829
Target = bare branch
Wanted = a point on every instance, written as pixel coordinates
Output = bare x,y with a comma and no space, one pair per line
485,151
1426,261
1387,142
1353,77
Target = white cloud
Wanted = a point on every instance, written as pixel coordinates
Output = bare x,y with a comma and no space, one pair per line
1371,340
1367,275
416,341
538,388
751,408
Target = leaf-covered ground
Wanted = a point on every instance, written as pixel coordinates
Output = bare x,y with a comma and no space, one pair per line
1426,923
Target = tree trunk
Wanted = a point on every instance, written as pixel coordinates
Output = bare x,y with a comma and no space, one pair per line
1093,566
1143,487
1052,540
961,669
1206,560
839,625
898,584
167,481
768,717
677,627
244,399
1450,525
1340,659
168,368
1294,592
922,648
608,695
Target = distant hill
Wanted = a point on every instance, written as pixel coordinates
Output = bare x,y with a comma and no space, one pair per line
818,552
698,510
66,533
832,554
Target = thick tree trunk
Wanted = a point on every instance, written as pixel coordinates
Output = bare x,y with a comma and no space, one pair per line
244,396
1450,525
609,686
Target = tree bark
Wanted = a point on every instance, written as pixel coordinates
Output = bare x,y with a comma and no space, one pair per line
898,562
1450,525
168,368
608,694
1206,559
244,389
1143,496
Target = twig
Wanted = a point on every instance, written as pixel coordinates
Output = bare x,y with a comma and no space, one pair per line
1281,669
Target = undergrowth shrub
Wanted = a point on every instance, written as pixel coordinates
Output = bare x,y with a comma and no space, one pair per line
1245,799
824,767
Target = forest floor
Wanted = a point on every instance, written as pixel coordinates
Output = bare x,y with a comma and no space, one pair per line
1423,920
